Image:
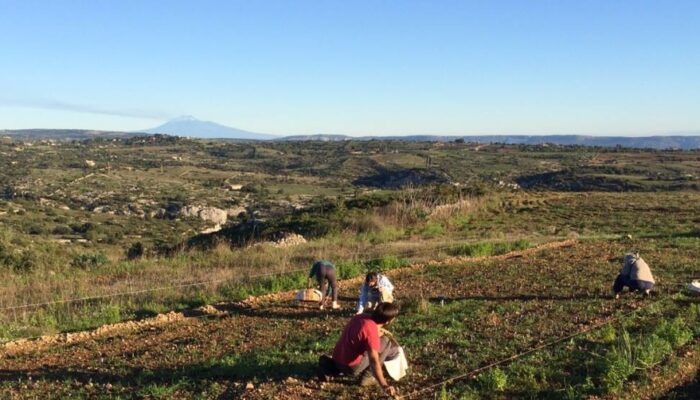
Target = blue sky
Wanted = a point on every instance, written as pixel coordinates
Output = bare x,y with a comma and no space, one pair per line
354,67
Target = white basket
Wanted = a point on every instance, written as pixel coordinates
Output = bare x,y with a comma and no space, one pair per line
694,286
308,295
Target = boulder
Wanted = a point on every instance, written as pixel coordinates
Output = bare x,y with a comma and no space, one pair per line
234,212
213,214
210,214
190,211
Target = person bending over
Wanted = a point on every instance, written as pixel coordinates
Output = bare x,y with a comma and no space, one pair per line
376,289
324,271
635,274
362,349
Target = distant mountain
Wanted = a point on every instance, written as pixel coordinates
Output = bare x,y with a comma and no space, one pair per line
63,134
192,127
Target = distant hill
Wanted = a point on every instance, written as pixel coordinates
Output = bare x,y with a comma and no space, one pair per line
320,137
64,134
192,127
653,142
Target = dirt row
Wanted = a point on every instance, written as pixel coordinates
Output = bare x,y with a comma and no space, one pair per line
220,349
43,342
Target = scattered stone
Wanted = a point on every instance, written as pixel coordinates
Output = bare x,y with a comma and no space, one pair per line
213,229
249,386
234,212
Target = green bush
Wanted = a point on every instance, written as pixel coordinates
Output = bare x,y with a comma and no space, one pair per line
693,317
136,250
433,229
349,269
618,364
607,334
675,332
652,351
61,230
473,250
89,261
485,249
493,380
387,234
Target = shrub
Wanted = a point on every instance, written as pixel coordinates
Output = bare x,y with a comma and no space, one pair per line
694,318
608,334
82,228
485,249
494,380
675,332
61,230
89,261
473,250
349,269
619,364
136,250
433,229
35,229
652,351
382,236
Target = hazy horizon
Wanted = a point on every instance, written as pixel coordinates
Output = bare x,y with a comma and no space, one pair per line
597,68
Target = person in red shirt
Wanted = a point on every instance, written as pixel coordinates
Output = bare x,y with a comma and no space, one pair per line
361,345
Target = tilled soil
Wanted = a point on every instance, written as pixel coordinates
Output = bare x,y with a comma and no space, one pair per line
171,356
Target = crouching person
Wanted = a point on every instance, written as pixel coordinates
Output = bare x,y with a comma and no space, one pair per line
376,289
362,349
635,274
324,272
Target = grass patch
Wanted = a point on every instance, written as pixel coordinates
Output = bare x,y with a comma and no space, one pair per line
485,249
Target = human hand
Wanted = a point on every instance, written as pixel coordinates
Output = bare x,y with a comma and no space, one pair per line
390,391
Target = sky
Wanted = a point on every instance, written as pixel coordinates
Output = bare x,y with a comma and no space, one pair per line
354,67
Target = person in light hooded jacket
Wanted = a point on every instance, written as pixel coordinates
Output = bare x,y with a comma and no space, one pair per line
635,274
376,289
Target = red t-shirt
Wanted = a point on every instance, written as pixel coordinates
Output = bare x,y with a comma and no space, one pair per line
361,334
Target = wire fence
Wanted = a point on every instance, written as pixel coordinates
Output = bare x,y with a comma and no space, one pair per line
411,253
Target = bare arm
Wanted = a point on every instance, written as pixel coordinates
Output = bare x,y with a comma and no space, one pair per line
376,367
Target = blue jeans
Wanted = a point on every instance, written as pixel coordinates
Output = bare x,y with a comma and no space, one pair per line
633,284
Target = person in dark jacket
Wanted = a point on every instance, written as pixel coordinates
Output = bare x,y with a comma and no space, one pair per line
324,272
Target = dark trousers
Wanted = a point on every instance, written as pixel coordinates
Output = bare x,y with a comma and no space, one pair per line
325,276
388,350
633,284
